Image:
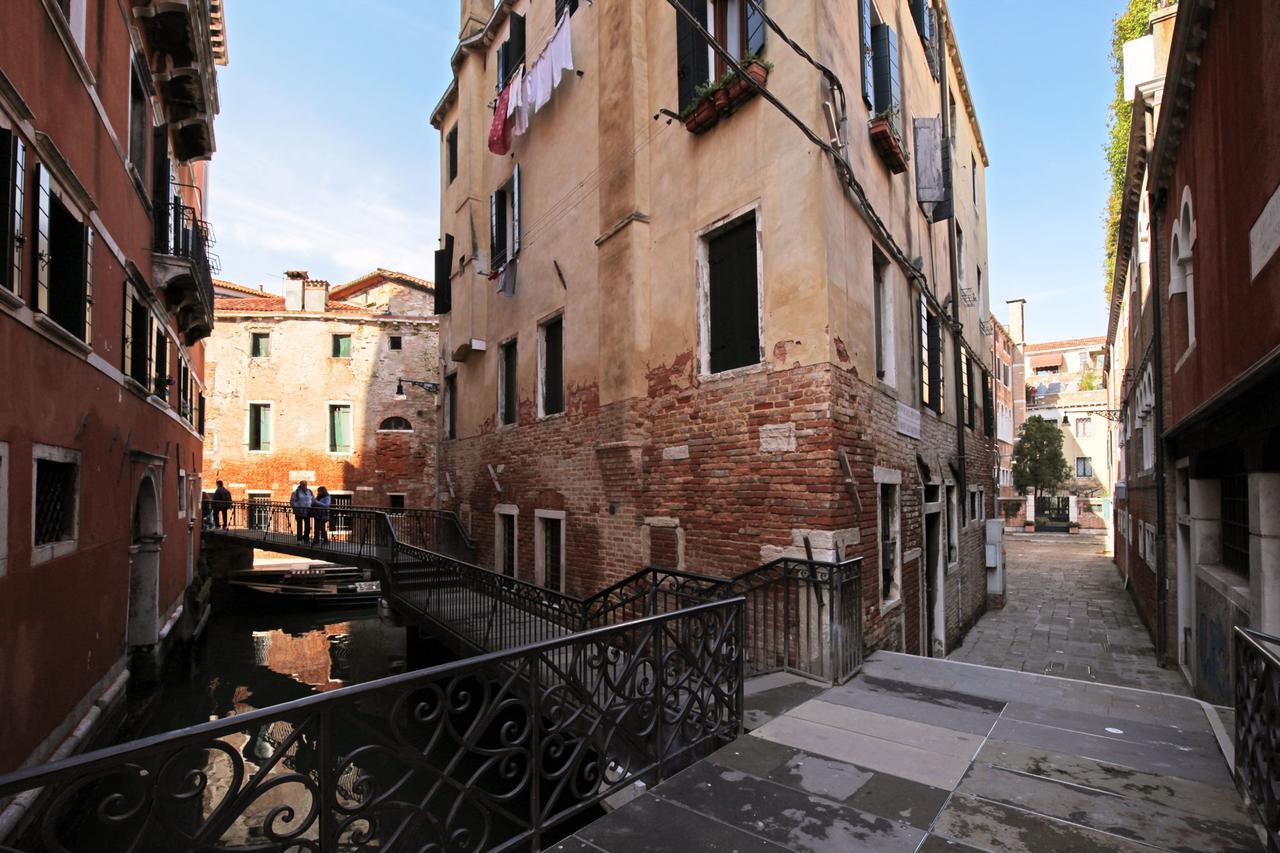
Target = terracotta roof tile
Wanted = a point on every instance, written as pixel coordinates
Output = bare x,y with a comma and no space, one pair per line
275,304
1074,343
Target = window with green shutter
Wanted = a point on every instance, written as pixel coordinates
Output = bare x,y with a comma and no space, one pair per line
260,344
259,427
342,346
339,428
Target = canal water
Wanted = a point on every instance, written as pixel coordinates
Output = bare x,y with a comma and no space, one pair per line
252,657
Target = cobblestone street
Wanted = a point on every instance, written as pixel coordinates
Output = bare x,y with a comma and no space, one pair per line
1067,615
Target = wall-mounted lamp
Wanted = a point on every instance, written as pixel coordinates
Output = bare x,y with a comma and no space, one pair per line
431,387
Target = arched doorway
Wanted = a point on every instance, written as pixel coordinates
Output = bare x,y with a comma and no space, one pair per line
144,565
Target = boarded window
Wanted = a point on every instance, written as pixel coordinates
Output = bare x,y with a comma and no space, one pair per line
507,386
664,547
342,346
260,344
444,276
888,82
339,428
260,426
733,300
552,386
55,507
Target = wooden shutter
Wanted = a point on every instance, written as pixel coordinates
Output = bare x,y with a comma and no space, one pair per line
40,259
734,298
888,89
756,29
692,68
515,212
126,362
88,284
868,61
160,202
17,217
928,157
7,140
553,367
498,229
444,277
504,63
516,29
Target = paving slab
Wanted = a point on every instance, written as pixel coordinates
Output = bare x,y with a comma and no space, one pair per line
994,826
916,735
782,815
1145,822
765,705
1175,737
649,823
855,695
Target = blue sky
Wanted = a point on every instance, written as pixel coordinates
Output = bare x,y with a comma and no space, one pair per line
326,161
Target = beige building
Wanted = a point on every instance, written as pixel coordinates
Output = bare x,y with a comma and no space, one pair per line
305,386
702,346
1067,384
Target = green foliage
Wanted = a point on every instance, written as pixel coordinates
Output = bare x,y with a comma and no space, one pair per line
1134,22
1038,463
1090,381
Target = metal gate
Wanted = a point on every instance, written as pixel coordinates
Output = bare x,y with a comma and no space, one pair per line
1052,513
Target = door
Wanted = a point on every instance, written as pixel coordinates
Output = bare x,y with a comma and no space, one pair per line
935,625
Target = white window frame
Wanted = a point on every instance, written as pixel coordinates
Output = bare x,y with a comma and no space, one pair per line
271,424
502,382
351,345
499,545
1182,277
6,462
53,550
890,477
253,333
888,325
702,253
540,517
542,366
328,427
182,493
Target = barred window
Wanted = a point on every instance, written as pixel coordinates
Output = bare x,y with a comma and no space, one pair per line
55,519
1235,522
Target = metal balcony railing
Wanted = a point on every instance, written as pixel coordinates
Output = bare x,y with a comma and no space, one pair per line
180,233
500,751
1257,737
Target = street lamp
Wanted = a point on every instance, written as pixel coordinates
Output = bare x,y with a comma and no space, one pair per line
432,387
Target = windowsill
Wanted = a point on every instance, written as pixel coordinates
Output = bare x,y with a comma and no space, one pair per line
53,550
258,452
61,336
339,452
888,386
136,387
891,604
392,431
734,373
551,417
1185,355
507,427
9,298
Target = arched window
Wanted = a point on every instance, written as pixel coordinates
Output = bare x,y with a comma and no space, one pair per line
1181,261
395,424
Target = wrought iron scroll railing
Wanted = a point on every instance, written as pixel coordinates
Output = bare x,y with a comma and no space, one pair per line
1257,741
801,616
500,751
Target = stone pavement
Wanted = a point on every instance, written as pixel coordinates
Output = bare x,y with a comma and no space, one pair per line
930,755
1066,614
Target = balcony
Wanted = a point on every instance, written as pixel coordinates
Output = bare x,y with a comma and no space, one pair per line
183,268
180,46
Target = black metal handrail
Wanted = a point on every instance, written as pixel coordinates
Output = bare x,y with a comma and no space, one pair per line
1257,735
497,751
182,234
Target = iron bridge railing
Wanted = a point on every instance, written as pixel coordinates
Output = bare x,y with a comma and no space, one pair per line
495,752
1257,737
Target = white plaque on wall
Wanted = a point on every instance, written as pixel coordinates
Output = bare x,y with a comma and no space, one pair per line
908,420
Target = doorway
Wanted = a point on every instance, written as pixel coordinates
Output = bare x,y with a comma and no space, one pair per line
144,566
935,624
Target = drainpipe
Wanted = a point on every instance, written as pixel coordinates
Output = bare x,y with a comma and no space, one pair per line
956,334
1157,358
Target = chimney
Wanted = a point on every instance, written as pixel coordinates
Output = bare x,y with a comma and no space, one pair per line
475,14
293,284
1162,22
315,295
1017,310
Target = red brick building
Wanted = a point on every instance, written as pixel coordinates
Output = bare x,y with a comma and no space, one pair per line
106,114
306,386
1198,279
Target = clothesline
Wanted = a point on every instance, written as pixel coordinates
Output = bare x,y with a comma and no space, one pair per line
529,89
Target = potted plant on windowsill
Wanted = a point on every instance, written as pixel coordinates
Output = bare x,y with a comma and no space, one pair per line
887,138
740,90
700,116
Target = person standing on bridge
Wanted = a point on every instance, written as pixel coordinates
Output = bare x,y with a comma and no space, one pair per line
320,517
301,501
221,503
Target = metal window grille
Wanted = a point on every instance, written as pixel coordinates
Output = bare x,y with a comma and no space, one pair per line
552,531
1235,522
55,501
509,545
339,522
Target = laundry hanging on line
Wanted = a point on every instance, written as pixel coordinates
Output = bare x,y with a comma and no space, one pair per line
545,73
500,130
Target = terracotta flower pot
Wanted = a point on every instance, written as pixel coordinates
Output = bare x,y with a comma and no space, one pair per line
703,117
758,71
1028,528
721,98
739,90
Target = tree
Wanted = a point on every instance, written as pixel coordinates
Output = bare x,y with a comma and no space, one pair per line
1089,381
1038,463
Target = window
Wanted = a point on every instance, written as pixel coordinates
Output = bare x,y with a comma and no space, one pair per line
988,405
865,25
340,521
953,525
1235,522
4,507
451,153
137,338
1084,466
182,493
960,263
259,345
1182,264
890,551
1083,426
511,52
504,223
932,383
162,381
734,24
1007,380
395,501
55,502
139,120
260,509
450,404
444,273
551,367
63,262
731,336
973,177
548,545
13,173
563,6
339,427
966,389
887,81
508,389
884,316
342,346
505,540
977,504
395,424
394,342
259,427
922,13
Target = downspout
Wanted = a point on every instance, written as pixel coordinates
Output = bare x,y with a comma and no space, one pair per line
1157,337
957,337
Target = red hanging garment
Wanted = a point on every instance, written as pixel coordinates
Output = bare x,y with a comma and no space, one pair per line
500,132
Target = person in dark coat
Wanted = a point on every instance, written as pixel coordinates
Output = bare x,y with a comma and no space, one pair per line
221,503
320,517
301,501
